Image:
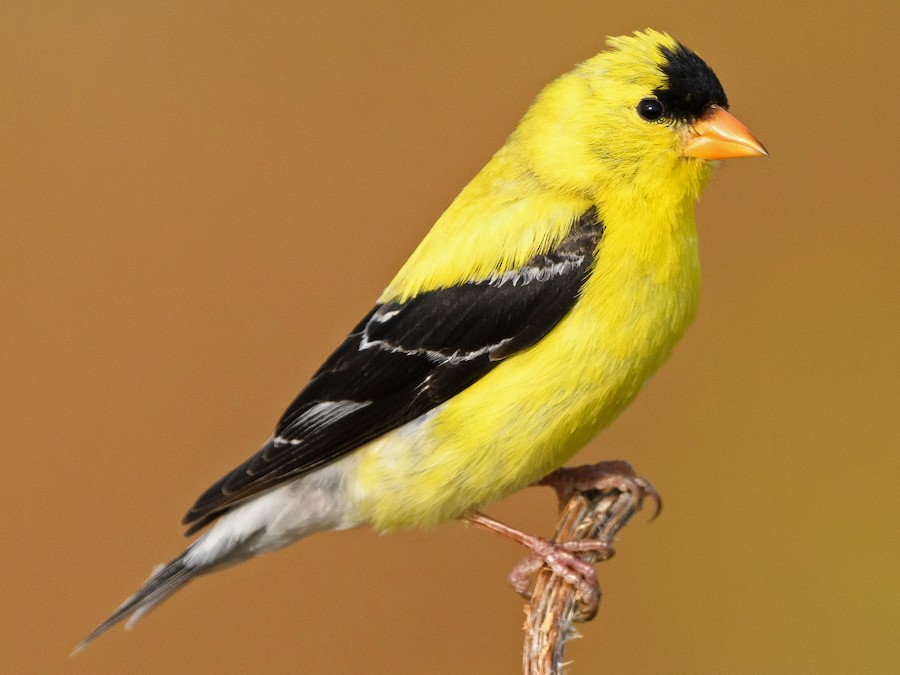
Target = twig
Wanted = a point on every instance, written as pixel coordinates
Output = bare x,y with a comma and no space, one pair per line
553,608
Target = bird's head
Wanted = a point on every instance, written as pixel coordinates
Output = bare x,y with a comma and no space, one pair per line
645,113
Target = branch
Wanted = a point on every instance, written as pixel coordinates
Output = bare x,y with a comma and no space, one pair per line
553,608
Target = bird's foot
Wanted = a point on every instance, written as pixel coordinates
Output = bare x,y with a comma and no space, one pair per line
616,475
562,557
559,557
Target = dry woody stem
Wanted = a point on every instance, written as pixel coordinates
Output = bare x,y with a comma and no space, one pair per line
554,607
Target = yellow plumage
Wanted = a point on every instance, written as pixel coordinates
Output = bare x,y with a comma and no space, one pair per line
573,150
528,318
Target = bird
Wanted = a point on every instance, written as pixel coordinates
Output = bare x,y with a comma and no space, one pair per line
530,315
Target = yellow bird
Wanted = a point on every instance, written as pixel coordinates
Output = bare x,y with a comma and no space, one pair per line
531,314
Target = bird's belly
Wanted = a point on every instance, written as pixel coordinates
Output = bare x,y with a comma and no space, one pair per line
530,414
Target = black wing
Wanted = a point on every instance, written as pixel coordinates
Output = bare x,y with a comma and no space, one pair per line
402,360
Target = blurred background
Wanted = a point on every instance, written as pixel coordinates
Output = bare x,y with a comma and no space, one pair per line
198,200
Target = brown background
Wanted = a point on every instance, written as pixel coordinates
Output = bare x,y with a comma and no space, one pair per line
197,203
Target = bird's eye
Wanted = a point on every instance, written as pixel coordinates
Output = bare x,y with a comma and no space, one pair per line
650,109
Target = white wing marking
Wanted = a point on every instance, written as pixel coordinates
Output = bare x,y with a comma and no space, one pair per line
316,417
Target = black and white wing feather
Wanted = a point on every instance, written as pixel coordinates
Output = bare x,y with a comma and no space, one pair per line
402,360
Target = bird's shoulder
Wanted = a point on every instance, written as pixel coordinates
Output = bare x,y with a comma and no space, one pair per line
497,224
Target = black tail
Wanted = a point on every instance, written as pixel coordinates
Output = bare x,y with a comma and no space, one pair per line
164,581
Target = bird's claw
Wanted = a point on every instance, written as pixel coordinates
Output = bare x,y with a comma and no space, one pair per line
560,558
615,475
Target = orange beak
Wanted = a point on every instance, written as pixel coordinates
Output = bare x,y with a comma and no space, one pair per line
720,135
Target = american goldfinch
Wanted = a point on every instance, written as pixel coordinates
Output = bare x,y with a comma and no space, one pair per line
530,315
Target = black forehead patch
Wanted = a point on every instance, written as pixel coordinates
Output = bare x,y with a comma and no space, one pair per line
691,85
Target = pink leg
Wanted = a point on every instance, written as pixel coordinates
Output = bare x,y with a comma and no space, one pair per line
559,557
